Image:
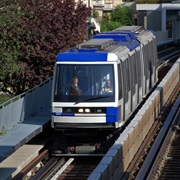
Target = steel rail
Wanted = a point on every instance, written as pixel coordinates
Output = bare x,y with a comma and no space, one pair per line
148,163
30,166
62,169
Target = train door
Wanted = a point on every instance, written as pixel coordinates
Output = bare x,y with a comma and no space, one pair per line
151,63
139,75
146,67
155,66
126,91
120,92
133,79
142,61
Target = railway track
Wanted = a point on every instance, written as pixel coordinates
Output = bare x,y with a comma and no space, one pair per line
164,155
167,55
168,52
78,168
171,168
167,162
46,167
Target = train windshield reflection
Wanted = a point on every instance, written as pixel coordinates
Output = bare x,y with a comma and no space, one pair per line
95,83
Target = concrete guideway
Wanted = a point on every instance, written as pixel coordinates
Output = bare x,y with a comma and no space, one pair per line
23,132
11,166
119,156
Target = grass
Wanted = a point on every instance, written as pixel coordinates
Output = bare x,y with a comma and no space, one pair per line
3,131
4,98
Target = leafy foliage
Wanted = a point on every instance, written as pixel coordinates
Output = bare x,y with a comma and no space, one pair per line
9,51
95,14
120,16
4,98
109,26
3,131
34,35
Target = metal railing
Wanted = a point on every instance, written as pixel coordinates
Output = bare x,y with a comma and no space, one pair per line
17,109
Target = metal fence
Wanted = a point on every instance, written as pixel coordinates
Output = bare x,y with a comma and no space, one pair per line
19,108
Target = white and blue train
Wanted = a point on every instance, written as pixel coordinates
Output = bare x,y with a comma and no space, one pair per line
125,57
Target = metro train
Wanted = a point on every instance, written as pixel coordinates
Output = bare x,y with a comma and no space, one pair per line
125,57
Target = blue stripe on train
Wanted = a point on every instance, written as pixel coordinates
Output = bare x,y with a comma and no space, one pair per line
82,56
112,114
62,114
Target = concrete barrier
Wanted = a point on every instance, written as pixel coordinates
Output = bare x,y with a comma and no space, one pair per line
116,161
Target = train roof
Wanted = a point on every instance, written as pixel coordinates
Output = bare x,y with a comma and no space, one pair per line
123,39
104,42
98,44
128,33
126,39
96,50
116,36
145,36
134,29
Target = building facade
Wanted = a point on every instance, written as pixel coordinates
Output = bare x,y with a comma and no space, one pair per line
163,18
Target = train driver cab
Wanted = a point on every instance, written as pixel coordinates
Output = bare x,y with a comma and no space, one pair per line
96,82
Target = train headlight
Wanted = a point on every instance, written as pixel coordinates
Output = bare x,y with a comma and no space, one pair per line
80,110
87,110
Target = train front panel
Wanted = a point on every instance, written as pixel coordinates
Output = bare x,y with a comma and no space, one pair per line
85,91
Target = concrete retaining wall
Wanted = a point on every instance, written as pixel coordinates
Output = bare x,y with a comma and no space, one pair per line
116,161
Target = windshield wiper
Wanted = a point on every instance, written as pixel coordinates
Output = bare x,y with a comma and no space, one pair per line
89,99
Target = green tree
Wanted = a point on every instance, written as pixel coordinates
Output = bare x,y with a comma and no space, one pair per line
38,31
109,26
95,14
9,45
121,16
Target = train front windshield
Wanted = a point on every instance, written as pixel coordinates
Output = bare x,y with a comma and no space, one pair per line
94,83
